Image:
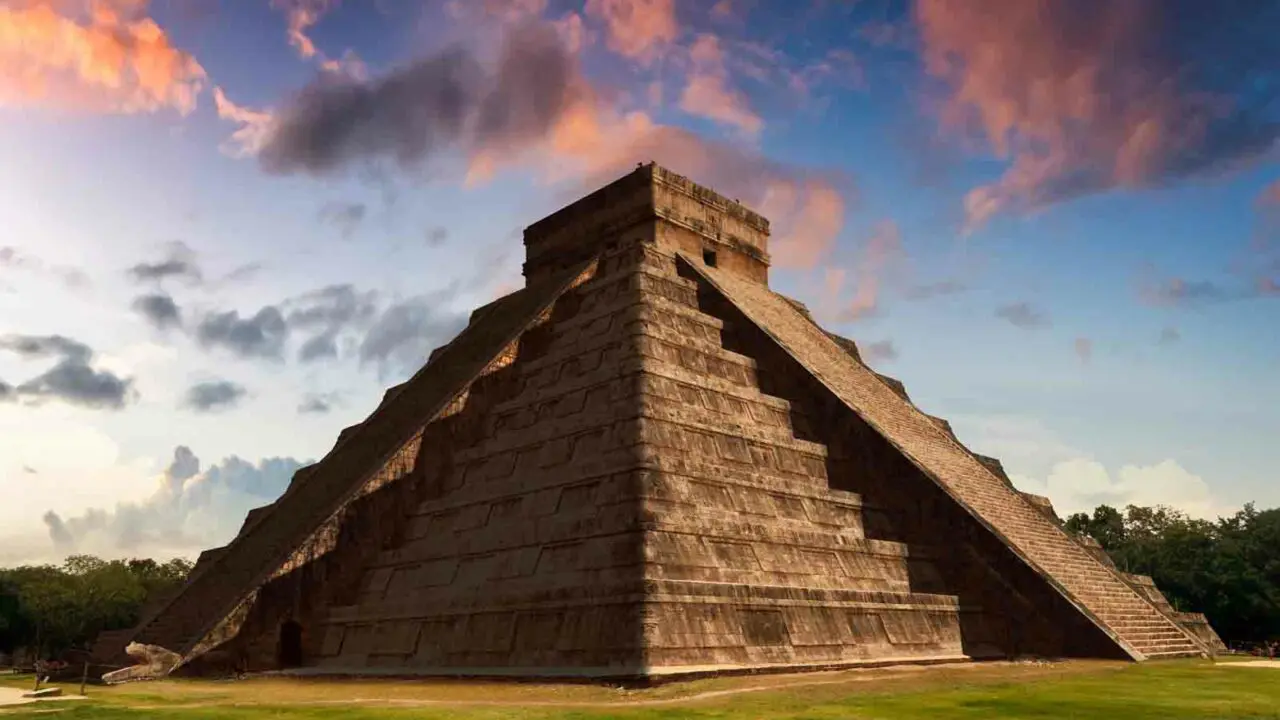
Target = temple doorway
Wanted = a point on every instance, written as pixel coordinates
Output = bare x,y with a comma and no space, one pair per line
290,644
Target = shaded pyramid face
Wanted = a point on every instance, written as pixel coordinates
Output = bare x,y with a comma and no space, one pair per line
646,463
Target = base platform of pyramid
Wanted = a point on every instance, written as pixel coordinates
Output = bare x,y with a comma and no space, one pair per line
647,464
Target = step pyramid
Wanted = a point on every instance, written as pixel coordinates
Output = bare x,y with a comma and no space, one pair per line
647,463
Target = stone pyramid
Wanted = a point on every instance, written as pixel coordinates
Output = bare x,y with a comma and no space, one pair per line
645,464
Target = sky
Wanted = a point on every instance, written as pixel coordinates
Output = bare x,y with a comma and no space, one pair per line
226,227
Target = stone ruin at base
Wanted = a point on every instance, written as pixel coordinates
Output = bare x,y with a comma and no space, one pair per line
646,463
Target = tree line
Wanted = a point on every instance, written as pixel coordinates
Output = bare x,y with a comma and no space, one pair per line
1228,569
48,610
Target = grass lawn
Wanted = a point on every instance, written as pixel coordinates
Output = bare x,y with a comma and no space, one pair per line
1160,690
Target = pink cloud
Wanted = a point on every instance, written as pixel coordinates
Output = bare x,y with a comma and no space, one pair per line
707,92
1085,97
636,29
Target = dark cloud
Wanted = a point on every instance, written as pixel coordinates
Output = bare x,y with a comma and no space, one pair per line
882,350
178,263
58,532
190,510
319,347
79,384
43,346
328,312
70,380
417,111
317,403
345,216
1176,291
185,465
401,339
213,395
436,235
159,309
71,277
1022,315
261,336
330,307
935,289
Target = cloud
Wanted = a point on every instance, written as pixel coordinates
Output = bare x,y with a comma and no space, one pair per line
179,262
533,109
317,403
941,288
1086,97
254,126
1022,315
346,216
436,235
402,338
301,16
1180,292
1084,349
880,351
104,56
260,336
1169,336
71,277
1080,484
636,29
707,92
417,111
328,312
159,309
213,395
71,379
188,511
879,257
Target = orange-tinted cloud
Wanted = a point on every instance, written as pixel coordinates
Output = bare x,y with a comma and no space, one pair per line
1084,97
707,92
101,55
636,29
300,17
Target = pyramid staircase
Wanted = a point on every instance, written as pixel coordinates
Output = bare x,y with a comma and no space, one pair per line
264,547
1095,589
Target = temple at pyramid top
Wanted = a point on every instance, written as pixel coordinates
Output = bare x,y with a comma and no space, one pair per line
700,223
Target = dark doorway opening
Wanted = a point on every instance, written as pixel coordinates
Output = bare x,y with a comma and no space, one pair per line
290,644
709,258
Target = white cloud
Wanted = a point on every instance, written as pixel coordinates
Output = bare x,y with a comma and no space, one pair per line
1080,484
186,512
53,459
1023,444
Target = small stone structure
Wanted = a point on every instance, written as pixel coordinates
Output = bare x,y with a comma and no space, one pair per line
646,463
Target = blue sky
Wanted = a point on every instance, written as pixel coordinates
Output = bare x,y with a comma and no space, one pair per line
1056,222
